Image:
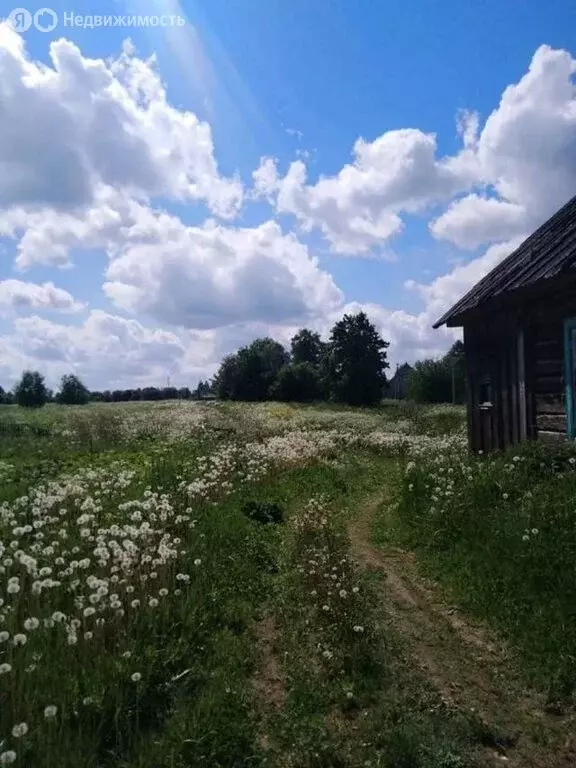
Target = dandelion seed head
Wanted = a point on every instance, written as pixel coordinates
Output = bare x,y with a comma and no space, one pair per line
31,624
19,730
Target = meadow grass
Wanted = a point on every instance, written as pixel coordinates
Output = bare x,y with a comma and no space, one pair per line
149,617
500,531
136,585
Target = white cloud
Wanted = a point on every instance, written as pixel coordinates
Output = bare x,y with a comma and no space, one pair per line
473,220
47,237
359,207
94,348
106,350
85,145
212,276
79,123
18,295
446,290
526,152
517,169
109,351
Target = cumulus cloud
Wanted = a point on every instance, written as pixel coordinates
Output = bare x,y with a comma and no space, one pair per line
47,237
474,220
18,296
196,277
94,348
360,206
212,276
105,349
80,122
86,145
515,170
110,351
526,153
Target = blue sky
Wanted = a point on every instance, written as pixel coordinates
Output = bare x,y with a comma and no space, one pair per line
289,161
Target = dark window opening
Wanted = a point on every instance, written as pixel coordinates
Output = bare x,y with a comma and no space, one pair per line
485,392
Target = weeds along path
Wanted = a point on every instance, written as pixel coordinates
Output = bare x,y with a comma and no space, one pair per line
469,666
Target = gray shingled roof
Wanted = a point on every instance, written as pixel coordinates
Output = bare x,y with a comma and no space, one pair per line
546,253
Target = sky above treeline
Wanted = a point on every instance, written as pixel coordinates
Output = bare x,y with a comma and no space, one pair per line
172,187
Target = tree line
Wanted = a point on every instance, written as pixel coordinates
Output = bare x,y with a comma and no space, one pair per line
439,381
31,392
349,367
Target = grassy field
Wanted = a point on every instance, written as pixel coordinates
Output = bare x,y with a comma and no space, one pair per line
190,584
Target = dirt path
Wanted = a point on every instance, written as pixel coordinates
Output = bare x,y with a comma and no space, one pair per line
469,666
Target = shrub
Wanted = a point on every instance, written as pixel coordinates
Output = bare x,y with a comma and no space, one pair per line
263,511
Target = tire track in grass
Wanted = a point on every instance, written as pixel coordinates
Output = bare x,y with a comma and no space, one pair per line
268,681
469,666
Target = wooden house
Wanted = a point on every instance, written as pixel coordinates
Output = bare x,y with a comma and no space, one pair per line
520,340
397,385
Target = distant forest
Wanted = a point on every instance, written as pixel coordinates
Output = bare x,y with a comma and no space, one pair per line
349,367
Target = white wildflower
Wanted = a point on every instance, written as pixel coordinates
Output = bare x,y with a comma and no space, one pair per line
19,730
31,624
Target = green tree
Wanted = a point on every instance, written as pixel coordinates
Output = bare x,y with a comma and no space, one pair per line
307,347
439,381
356,361
456,359
297,383
202,390
250,373
72,391
31,391
226,378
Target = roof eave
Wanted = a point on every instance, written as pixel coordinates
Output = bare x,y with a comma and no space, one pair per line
449,322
